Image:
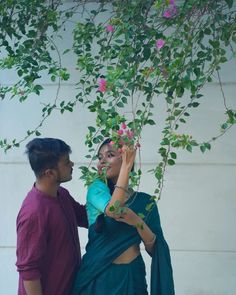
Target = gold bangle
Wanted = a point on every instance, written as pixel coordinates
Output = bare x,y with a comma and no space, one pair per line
152,241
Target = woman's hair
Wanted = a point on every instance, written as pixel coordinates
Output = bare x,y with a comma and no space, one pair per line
45,153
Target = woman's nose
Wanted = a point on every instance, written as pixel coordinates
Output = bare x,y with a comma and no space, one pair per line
102,160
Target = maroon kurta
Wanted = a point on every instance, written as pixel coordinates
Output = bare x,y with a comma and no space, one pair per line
47,240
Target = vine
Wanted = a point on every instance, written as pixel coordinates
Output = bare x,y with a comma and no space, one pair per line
130,55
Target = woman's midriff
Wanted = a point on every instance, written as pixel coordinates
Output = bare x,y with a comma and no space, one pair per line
128,255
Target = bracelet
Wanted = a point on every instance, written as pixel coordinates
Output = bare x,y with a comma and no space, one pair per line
152,241
123,188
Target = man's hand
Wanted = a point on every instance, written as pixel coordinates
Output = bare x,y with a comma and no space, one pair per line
33,287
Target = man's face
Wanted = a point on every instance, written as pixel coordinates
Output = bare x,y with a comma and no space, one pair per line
64,169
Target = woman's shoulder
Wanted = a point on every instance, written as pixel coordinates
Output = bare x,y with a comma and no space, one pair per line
144,203
97,183
145,196
143,199
97,188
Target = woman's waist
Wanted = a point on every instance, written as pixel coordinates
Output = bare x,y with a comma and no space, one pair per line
128,255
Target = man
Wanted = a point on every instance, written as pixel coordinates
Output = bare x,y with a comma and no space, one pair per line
48,248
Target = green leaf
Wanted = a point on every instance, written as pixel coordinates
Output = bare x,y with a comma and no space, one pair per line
146,53
189,148
173,155
195,104
202,148
149,206
179,91
224,126
37,133
151,122
141,215
207,145
169,99
119,41
177,112
124,99
112,209
125,92
229,3
92,129
171,162
120,104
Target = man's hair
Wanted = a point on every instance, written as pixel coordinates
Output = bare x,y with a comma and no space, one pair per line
45,153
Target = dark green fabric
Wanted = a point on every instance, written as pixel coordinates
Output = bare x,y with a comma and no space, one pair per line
119,279
115,238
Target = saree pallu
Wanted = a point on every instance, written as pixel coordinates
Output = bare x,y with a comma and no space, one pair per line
97,273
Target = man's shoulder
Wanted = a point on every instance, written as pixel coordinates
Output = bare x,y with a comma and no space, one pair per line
31,198
64,194
63,191
33,203
30,210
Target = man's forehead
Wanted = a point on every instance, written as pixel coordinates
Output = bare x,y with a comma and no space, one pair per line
64,157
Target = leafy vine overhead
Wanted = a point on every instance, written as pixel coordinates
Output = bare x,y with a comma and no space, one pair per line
130,54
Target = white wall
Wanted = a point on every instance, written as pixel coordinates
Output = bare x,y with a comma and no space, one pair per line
198,204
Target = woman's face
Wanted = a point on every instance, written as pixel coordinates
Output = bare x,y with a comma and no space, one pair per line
111,160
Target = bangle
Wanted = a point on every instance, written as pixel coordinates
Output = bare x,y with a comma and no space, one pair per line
123,188
152,241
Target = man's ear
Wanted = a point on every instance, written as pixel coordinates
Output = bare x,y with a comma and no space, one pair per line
49,172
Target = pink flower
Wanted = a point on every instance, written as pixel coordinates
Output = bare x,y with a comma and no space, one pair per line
121,142
167,13
170,12
123,125
120,132
111,142
110,29
102,85
160,43
130,134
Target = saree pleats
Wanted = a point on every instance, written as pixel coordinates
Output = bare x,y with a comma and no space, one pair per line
119,279
98,275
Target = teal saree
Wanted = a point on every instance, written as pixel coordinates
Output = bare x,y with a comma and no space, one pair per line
98,275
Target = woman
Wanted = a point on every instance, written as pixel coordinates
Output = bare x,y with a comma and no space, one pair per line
113,264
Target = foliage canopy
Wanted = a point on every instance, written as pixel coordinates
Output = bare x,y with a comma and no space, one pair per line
130,54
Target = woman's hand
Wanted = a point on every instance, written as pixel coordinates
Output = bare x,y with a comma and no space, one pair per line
146,234
129,217
128,156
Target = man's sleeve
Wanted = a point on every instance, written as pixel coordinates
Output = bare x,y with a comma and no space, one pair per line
31,246
81,214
